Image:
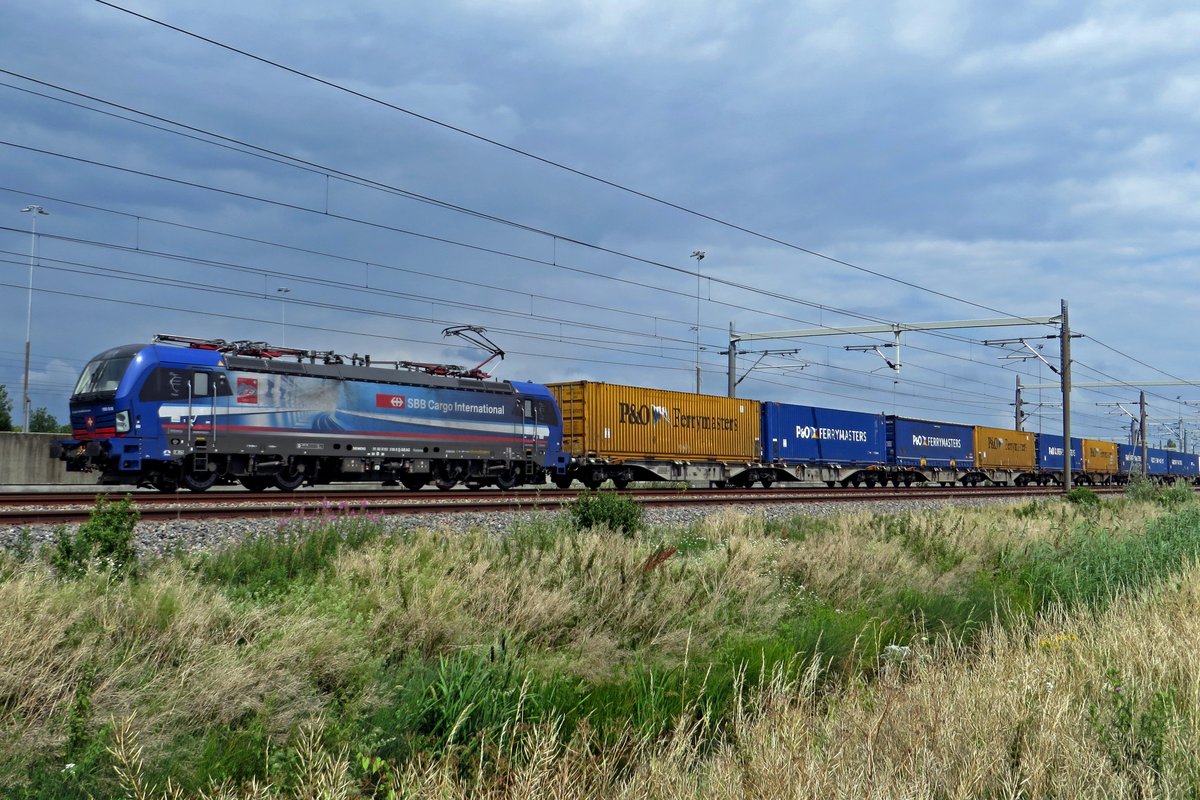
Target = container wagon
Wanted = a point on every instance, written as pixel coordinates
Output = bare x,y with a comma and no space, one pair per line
1003,456
1185,466
1157,467
1050,459
811,444
1100,462
630,433
923,451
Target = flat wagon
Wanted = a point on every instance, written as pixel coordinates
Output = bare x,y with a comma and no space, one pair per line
630,433
808,443
1003,456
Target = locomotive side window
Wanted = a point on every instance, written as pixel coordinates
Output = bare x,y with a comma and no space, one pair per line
200,384
171,383
546,413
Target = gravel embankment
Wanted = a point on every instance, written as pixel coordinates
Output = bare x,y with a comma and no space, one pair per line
195,535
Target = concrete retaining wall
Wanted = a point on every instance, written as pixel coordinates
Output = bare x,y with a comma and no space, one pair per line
25,460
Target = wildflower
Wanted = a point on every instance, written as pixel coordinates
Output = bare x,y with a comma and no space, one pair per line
69,767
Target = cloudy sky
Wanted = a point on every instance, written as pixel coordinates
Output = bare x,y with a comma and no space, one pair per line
545,169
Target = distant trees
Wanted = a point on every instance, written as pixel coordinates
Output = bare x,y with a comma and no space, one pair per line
5,409
42,421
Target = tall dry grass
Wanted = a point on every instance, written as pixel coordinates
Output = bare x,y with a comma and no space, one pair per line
1034,713
1025,711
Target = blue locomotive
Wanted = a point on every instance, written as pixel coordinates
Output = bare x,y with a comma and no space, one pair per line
191,413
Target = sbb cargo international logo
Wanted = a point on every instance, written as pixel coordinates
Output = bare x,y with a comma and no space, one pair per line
395,401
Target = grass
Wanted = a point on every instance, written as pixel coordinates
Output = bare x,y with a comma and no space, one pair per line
462,663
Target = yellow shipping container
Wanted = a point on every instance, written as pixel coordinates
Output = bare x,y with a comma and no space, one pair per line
627,423
1099,457
1000,448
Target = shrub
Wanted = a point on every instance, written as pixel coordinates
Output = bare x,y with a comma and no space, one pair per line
1178,494
105,542
1140,489
607,509
1083,497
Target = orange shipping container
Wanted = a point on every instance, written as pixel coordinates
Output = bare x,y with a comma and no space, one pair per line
1099,457
628,423
1000,448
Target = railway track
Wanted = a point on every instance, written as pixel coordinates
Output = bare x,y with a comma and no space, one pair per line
25,508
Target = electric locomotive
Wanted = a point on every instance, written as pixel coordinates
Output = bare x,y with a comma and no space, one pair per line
192,413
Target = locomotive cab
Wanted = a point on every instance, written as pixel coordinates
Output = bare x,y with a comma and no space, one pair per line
115,428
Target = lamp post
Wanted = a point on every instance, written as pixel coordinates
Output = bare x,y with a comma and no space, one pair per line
283,293
36,211
699,256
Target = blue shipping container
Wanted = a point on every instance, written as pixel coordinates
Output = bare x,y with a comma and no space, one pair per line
1186,464
1131,459
920,443
808,435
1050,453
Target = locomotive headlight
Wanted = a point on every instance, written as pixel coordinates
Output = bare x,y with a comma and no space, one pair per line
122,422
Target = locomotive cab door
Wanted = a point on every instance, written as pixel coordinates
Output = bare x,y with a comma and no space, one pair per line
202,417
529,440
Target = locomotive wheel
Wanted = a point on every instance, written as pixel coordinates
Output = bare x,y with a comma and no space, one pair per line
506,480
197,481
445,484
562,481
289,480
413,482
255,483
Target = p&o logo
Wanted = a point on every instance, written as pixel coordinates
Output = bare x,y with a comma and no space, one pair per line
806,432
643,414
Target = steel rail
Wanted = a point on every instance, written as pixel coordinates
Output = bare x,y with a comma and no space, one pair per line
226,505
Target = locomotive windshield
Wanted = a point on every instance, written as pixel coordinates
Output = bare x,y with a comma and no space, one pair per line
102,374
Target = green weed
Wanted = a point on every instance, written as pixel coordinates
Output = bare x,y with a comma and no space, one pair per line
607,509
104,542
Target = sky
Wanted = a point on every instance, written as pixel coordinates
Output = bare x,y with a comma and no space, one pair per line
546,170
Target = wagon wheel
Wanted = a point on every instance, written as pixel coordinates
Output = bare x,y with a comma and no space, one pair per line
562,481
445,484
767,483
620,483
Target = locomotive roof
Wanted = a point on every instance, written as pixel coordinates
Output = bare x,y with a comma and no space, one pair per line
362,373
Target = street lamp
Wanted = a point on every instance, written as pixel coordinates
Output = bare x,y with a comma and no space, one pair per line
283,293
699,256
36,211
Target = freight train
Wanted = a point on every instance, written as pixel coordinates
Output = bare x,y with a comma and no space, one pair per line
192,413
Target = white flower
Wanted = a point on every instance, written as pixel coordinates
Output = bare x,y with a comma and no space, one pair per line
69,767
